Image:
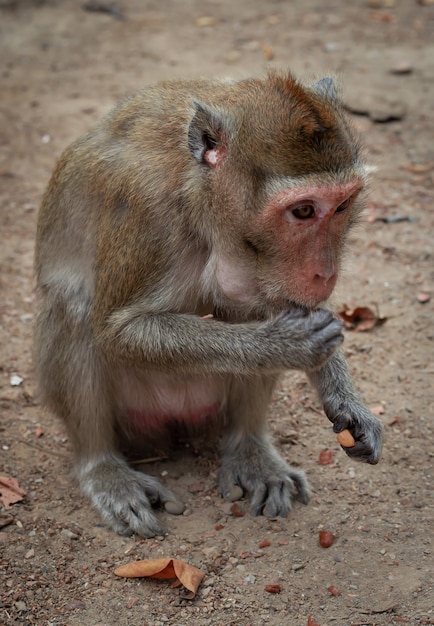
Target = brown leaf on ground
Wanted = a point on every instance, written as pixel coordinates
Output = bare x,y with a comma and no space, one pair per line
360,318
188,575
10,492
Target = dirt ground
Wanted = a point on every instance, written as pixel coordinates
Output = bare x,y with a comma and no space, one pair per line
62,67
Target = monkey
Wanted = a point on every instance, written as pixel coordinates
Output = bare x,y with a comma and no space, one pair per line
186,248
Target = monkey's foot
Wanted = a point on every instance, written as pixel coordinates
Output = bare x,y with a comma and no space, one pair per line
125,497
253,465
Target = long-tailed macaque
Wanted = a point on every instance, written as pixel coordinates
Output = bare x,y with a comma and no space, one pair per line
184,246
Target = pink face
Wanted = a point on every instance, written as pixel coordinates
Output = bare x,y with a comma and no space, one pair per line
307,225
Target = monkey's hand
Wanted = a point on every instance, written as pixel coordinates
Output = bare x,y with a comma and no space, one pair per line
366,429
306,339
125,497
343,407
252,465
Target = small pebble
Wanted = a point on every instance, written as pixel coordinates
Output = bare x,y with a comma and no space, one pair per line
174,507
15,380
68,534
297,566
401,68
236,493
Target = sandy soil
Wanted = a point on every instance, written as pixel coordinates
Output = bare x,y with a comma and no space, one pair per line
62,67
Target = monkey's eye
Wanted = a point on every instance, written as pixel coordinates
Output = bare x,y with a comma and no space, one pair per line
303,212
344,206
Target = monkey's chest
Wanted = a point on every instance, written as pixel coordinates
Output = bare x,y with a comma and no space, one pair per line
152,400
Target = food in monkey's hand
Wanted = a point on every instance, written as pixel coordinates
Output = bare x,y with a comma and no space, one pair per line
346,439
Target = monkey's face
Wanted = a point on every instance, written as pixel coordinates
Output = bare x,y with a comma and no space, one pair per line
307,225
293,246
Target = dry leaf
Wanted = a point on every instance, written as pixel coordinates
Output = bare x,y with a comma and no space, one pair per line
189,576
311,621
10,492
360,318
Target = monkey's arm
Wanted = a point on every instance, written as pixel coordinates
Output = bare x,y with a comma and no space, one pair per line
344,409
191,344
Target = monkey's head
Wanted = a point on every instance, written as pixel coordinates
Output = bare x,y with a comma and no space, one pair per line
282,172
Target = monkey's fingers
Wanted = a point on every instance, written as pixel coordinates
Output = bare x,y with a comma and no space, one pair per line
362,452
321,318
367,437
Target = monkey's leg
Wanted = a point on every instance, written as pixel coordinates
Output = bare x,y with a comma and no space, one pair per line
250,462
344,409
78,385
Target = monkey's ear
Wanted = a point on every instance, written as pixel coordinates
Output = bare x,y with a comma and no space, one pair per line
326,88
206,135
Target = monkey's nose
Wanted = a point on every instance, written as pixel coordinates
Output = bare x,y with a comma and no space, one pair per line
325,278
322,285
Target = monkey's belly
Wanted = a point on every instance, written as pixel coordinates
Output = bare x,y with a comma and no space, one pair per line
152,401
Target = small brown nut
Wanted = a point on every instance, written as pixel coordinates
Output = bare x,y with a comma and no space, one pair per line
325,457
346,439
273,588
326,538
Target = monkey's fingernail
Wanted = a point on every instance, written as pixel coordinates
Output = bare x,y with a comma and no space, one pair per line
174,508
235,493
